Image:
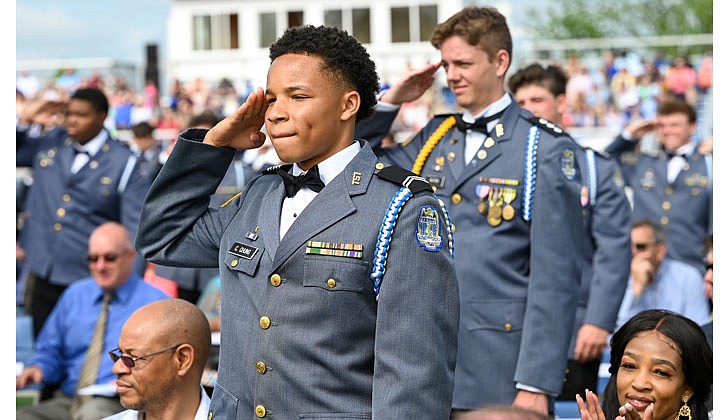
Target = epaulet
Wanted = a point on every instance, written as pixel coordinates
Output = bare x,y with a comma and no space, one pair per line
547,125
273,169
405,178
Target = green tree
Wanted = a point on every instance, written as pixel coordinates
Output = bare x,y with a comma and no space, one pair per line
569,19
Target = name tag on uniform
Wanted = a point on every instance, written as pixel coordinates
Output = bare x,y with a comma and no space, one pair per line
243,251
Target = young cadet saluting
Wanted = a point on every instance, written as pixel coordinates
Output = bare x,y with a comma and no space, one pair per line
329,310
512,185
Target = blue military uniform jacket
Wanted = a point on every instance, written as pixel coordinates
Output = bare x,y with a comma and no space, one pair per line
683,207
607,253
518,277
303,335
62,209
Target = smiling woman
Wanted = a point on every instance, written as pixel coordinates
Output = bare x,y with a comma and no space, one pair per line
662,369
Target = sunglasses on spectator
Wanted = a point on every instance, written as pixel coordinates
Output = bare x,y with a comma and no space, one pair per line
130,361
641,246
708,266
92,258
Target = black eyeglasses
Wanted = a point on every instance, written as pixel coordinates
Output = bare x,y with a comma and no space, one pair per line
92,258
708,266
130,361
641,246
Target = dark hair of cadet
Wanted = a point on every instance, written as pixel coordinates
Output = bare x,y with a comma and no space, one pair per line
96,97
551,78
342,55
692,346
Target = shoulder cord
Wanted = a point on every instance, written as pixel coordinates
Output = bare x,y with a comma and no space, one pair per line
385,235
127,173
430,144
529,175
591,165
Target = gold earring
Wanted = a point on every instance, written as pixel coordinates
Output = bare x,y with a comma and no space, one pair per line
685,409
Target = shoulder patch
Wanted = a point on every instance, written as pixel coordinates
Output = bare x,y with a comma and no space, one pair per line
274,169
547,125
405,178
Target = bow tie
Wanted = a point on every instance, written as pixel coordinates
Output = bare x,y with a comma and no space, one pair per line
670,154
480,124
310,180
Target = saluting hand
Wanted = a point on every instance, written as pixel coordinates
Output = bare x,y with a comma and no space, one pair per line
411,86
241,129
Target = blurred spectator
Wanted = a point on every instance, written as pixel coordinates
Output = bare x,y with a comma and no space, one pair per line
140,111
82,177
69,80
705,72
199,92
122,102
96,80
658,282
151,95
84,326
681,79
147,147
28,84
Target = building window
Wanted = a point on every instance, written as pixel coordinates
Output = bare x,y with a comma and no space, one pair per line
361,29
332,18
215,32
355,21
400,24
295,18
428,21
267,29
413,23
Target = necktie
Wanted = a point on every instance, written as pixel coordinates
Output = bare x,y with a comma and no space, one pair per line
310,180
90,367
480,124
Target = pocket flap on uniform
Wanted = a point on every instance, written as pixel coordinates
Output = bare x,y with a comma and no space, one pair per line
499,315
223,405
243,257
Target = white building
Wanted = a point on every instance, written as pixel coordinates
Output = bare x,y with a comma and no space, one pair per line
215,39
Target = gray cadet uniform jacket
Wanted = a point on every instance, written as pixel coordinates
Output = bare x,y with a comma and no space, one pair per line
518,278
607,252
303,335
684,207
62,209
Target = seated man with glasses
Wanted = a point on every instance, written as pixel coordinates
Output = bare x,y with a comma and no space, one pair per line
658,282
163,349
83,326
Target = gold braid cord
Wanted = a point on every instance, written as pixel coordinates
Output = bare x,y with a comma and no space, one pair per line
431,143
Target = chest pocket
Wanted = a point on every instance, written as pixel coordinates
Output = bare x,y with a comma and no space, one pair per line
243,258
336,274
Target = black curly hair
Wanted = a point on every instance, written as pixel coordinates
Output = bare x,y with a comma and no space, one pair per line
346,59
